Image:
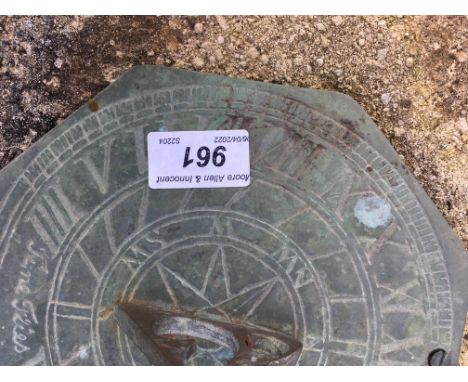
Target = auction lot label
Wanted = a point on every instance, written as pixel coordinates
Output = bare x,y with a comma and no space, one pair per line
198,159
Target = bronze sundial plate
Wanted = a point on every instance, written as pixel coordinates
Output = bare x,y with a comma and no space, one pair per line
333,245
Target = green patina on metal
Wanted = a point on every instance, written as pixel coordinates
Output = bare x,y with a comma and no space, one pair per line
333,246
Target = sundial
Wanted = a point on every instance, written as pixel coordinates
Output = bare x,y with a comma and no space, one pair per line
331,254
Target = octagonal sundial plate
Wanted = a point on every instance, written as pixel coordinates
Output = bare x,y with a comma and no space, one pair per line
332,244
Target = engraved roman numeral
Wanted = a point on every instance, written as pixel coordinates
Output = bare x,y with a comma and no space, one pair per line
52,217
140,150
217,228
400,291
292,157
296,157
101,177
410,304
344,196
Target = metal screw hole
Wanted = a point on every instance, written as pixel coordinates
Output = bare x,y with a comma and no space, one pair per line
436,357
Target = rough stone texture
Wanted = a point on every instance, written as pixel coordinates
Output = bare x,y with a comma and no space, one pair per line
409,73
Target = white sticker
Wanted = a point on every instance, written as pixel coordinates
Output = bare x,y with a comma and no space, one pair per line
198,159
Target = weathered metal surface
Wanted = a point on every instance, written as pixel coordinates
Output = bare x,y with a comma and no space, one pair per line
333,244
174,338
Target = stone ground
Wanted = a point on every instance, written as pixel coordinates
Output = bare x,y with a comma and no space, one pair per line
409,73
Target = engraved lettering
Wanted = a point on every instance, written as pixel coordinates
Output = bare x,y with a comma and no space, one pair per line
23,319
